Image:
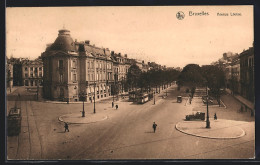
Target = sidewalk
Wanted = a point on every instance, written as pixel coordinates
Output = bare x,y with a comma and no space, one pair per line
76,118
220,129
242,100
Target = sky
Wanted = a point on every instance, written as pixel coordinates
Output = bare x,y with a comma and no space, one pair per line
145,33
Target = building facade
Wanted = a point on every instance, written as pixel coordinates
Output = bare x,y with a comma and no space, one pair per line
247,74
32,72
76,70
235,76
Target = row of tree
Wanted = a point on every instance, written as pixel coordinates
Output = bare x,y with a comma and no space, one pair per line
155,78
191,76
194,76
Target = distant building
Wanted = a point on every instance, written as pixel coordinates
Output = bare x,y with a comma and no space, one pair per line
9,73
25,72
32,72
235,75
247,74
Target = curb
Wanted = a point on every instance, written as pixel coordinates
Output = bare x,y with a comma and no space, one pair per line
61,120
208,137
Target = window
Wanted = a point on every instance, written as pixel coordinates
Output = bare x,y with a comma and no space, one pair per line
74,64
31,82
74,77
31,68
36,72
61,77
40,74
26,69
26,75
88,77
88,65
60,64
40,68
31,75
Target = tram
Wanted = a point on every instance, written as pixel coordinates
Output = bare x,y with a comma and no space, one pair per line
14,121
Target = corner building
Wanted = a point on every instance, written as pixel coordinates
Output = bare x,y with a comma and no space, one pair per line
73,70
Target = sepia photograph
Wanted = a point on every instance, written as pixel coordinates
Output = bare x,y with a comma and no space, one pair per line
130,83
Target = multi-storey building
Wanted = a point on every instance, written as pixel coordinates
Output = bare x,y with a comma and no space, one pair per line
247,74
9,73
121,67
235,75
32,72
26,72
73,70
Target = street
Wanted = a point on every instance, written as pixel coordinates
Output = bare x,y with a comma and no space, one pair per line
127,132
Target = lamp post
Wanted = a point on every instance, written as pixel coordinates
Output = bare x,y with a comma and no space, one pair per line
94,97
83,97
207,121
154,97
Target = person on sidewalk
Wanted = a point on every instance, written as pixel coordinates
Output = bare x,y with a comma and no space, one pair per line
154,127
66,126
215,116
112,104
116,106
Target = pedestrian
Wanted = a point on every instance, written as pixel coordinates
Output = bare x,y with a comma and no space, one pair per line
19,95
154,127
116,106
66,126
112,104
215,116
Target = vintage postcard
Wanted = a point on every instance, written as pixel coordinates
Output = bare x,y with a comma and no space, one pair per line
130,82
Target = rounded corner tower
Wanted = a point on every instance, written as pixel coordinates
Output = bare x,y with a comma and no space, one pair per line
63,42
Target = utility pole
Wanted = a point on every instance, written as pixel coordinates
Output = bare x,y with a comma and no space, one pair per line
207,121
154,98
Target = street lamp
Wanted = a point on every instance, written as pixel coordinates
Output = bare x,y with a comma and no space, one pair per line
83,98
94,97
207,121
154,97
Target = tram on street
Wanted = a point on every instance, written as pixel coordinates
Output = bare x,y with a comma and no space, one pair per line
14,121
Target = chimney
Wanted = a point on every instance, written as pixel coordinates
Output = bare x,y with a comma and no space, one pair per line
87,42
125,55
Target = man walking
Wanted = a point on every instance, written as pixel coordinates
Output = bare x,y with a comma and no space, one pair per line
116,106
154,127
112,104
215,116
66,126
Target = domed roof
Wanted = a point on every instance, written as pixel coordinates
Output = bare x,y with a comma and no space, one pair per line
63,42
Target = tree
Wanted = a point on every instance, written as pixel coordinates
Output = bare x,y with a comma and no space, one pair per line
215,79
133,76
190,76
